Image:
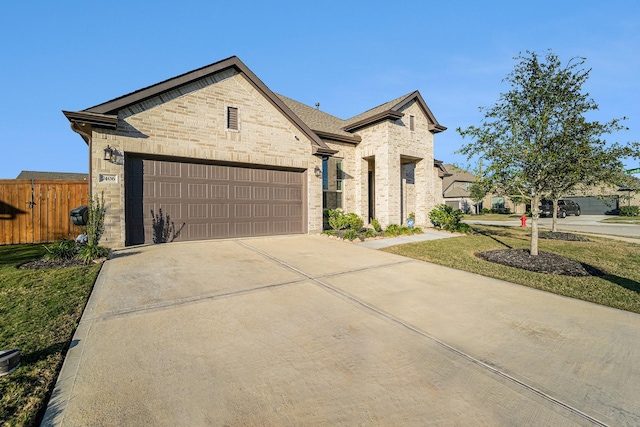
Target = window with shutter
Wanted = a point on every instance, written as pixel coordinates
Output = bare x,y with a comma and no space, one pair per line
232,118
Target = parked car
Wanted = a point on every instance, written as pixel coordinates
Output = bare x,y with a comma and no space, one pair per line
565,207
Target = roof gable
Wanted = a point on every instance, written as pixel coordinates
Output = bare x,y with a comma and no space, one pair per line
104,114
391,110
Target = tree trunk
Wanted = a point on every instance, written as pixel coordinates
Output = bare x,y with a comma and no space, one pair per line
535,214
554,221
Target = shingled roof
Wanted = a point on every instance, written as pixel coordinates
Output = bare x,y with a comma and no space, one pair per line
316,124
323,124
72,176
331,127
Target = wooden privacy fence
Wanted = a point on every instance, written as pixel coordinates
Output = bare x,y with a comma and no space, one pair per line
37,211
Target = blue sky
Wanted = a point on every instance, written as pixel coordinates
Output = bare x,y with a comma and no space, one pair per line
349,56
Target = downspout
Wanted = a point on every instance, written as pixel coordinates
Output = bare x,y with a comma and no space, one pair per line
84,130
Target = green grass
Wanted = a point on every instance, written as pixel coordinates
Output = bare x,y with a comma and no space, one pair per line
39,312
492,217
623,219
619,288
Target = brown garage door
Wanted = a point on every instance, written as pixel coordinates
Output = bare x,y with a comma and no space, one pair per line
210,201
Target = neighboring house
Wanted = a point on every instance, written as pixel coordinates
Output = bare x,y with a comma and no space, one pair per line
66,176
456,189
223,156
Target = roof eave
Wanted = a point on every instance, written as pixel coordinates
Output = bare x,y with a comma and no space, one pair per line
94,119
385,115
324,151
355,139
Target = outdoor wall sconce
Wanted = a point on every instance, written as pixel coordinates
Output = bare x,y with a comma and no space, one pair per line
108,153
317,172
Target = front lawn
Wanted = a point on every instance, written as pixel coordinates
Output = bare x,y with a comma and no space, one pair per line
618,288
623,219
492,217
39,312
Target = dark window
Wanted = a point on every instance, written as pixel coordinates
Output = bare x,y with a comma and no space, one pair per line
412,124
332,177
232,118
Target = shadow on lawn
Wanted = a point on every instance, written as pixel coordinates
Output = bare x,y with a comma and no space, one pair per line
492,233
632,285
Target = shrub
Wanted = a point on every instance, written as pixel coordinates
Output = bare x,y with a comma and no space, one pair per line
369,232
329,232
393,230
354,222
64,249
89,253
630,211
444,217
95,222
337,220
417,230
350,234
376,225
486,210
405,231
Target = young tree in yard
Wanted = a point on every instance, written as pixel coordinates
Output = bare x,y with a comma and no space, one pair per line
477,193
536,141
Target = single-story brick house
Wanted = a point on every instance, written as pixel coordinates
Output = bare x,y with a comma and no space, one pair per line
224,156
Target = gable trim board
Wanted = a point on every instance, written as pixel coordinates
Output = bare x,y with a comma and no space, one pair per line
180,125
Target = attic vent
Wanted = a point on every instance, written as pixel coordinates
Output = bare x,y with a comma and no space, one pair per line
412,123
232,118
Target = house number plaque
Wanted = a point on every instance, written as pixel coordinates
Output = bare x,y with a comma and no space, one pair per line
108,179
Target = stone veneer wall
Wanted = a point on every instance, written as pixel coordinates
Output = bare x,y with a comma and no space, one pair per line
190,122
387,142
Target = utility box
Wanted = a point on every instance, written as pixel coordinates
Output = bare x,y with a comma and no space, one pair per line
9,361
80,215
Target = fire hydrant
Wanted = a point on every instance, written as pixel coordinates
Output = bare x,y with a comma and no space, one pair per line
523,220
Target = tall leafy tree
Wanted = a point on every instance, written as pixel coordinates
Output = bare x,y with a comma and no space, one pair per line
537,142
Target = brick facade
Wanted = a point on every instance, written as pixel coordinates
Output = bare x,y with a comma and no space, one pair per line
185,119
193,126
405,178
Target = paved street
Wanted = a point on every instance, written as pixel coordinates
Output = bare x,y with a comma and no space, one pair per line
305,330
584,223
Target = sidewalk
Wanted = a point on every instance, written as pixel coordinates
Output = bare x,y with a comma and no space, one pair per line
428,234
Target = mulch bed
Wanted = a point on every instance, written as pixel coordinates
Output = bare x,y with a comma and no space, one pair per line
544,262
51,263
557,235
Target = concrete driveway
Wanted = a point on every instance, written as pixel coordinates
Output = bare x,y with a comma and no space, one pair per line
305,330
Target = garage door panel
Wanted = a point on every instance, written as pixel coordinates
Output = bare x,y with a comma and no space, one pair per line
197,231
280,211
169,169
260,175
169,189
220,231
220,191
242,174
260,193
242,229
295,194
220,173
211,201
197,191
198,211
220,211
261,211
242,192
261,229
197,171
